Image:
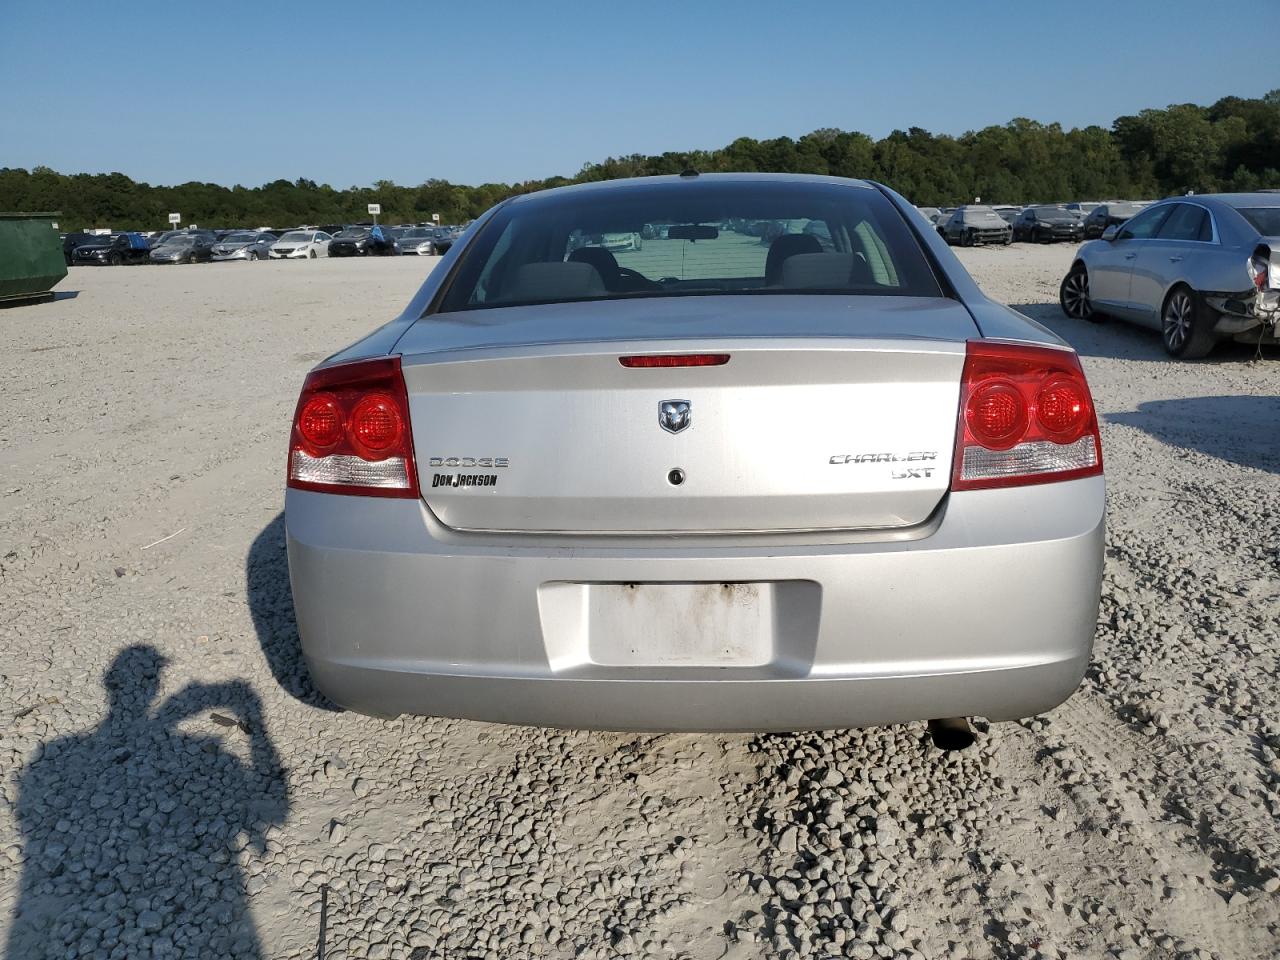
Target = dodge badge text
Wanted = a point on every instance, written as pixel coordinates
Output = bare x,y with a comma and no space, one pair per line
467,463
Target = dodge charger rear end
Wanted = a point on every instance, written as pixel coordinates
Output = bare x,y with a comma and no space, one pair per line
702,484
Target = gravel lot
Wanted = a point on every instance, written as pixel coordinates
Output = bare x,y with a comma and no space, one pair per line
172,787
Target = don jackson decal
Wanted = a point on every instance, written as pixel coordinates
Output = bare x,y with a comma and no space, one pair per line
464,480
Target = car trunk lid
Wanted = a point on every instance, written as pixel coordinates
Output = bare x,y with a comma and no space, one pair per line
839,416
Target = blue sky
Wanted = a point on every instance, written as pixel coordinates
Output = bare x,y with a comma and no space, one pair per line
349,92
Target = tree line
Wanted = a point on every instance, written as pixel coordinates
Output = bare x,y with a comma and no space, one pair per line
1232,145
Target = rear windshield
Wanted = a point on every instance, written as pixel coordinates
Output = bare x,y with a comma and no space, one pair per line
689,239
1266,220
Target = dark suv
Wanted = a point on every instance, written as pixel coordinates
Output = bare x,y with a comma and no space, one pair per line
113,250
1047,224
362,242
1106,215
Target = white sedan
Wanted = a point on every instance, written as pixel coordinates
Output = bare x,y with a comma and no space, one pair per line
301,245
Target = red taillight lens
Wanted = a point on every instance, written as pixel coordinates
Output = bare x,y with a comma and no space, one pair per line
320,422
1259,268
1026,416
1063,409
351,432
996,414
665,360
376,426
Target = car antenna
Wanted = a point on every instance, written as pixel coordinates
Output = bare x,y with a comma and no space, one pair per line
688,172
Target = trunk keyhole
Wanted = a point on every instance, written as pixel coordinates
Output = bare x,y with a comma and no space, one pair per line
675,477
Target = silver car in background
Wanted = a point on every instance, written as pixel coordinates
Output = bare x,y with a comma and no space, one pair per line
416,241
244,245
1198,269
705,484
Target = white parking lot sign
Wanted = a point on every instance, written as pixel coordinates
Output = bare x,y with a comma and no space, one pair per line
175,218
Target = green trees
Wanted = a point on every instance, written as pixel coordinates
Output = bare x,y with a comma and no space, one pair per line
1232,145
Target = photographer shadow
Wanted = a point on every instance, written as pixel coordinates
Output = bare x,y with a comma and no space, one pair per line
132,830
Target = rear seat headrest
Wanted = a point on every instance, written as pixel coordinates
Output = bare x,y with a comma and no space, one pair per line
829,271
554,281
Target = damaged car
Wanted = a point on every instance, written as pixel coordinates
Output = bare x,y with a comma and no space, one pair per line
1198,269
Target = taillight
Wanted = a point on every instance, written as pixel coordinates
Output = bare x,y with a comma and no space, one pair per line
1026,416
351,432
1260,268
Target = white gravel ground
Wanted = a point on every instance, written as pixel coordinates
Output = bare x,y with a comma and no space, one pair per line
192,799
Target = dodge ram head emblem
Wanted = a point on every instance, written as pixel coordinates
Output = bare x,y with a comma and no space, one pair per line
673,415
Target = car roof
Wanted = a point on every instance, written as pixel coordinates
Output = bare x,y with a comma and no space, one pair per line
1236,199
641,184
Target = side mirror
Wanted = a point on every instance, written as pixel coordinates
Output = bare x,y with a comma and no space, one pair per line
1111,232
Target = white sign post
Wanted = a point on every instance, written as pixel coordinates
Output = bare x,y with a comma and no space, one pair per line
435,218
375,209
175,219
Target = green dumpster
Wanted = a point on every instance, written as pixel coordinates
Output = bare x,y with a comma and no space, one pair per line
31,259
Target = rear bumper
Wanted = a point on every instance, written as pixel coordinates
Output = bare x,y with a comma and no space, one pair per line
989,612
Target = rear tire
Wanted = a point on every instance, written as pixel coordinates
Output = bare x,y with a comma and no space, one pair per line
1073,295
1186,327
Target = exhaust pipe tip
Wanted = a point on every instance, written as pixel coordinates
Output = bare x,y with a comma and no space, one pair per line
952,733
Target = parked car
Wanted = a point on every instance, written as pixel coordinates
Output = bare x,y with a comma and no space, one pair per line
114,250
1108,214
394,234
557,503
1008,214
362,242
1197,269
442,238
244,245
973,224
168,235
301,245
416,241
929,213
184,248
1082,208
72,240
1046,224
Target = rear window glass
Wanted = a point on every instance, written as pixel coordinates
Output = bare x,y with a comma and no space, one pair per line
689,239
1266,220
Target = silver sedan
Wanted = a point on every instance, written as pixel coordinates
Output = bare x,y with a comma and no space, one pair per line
702,484
1198,269
244,245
